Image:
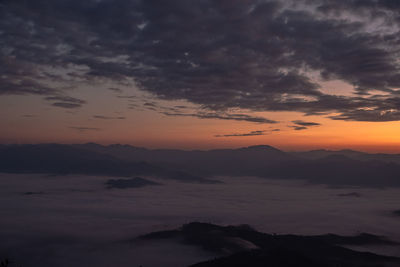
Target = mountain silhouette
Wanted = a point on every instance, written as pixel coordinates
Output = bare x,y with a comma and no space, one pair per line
70,159
345,167
242,246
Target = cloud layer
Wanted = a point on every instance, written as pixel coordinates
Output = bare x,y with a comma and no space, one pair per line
252,55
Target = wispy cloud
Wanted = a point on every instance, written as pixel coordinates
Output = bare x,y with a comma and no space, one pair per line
65,101
84,129
223,116
115,90
252,133
299,128
101,117
306,123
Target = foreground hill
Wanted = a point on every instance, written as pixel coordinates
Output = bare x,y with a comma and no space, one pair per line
242,246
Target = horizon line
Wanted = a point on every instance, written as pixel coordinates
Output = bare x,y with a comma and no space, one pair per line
211,149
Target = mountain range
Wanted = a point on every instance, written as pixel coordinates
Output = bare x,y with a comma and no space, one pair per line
344,167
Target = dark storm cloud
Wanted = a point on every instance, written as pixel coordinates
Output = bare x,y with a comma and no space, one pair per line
255,55
101,117
305,123
222,116
252,133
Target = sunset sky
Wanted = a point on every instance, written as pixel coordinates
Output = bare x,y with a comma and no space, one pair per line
201,74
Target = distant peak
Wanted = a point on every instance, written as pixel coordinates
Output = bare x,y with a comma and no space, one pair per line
262,147
91,144
118,145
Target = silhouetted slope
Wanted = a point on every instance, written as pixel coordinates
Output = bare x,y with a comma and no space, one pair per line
357,155
67,159
340,170
63,159
263,161
244,246
345,167
240,161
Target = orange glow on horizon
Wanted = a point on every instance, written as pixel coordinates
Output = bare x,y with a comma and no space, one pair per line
151,129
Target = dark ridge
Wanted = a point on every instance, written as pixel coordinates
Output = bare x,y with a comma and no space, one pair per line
88,159
321,153
262,147
360,239
335,168
244,246
348,169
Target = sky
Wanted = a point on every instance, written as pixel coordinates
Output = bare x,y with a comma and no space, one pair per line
298,75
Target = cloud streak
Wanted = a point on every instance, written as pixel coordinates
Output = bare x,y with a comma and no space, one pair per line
66,101
299,128
223,116
305,123
252,133
101,117
84,129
